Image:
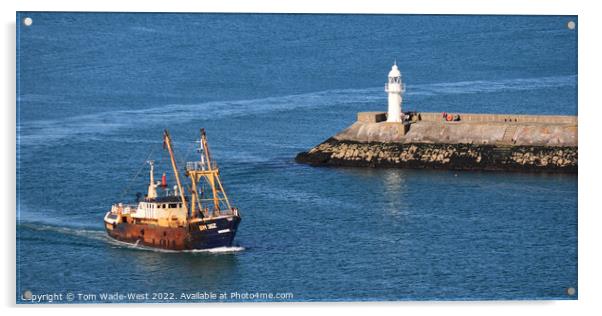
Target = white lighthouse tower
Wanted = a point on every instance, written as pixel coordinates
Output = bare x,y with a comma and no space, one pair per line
394,87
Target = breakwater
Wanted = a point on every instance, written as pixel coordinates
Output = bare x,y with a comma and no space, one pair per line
474,142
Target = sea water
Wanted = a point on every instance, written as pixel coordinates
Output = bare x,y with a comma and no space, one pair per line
95,91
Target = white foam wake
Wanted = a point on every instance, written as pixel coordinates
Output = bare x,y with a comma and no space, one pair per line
65,230
137,246
102,236
217,250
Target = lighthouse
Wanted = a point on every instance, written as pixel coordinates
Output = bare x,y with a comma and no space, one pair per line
394,89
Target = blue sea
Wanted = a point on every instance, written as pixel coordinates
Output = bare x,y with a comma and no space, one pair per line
96,90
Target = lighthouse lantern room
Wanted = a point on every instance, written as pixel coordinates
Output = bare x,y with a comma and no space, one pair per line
395,89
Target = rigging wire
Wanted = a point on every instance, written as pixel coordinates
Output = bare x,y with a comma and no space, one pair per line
131,181
182,164
182,161
186,155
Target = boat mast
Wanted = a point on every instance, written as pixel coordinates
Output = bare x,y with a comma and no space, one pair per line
152,186
215,174
167,141
205,168
209,168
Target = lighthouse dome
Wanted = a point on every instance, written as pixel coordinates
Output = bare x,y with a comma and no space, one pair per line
394,71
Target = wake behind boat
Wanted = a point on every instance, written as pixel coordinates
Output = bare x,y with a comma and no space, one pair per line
201,219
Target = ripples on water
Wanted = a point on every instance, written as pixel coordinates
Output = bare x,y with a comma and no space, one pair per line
90,117
43,132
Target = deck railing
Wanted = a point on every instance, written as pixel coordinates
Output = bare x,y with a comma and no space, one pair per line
123,208
198,165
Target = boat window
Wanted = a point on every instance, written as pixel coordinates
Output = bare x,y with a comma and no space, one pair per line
173,205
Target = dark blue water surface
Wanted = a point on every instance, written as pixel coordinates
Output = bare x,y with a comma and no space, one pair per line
95,92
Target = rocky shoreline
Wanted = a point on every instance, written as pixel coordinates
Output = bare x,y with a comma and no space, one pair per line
334,152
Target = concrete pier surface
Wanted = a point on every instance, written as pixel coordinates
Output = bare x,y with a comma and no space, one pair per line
468,142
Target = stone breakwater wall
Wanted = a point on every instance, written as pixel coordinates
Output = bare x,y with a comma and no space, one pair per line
481,142
333,152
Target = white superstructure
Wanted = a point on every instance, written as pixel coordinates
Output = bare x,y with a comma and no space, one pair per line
395,88
152,186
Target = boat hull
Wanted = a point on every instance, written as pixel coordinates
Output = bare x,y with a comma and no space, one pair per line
205,234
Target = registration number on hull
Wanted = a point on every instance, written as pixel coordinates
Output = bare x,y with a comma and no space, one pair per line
208,226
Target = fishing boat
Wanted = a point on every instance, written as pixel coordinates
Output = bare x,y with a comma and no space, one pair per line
196,217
